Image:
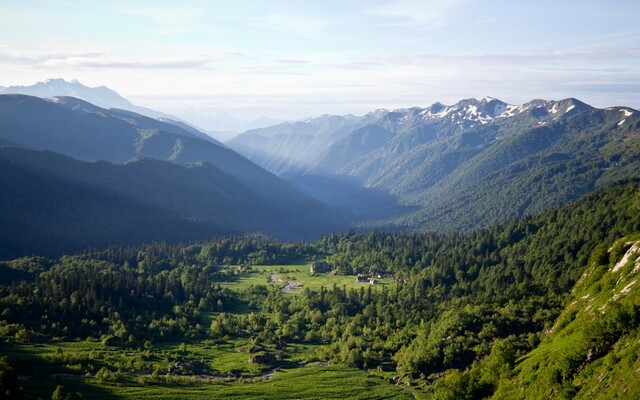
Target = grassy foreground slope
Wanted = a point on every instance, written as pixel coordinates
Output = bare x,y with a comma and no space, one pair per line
593,350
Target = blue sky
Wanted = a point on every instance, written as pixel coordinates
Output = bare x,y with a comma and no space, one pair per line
292,59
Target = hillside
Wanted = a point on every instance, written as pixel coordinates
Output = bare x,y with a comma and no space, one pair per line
530,171
592,350
101,96
86,132
51,204
288,148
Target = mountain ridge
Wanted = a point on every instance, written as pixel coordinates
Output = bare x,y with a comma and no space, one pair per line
52,203
426,157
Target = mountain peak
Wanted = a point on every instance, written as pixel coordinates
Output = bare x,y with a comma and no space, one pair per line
100,96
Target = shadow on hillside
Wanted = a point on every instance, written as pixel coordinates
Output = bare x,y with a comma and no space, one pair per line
347,193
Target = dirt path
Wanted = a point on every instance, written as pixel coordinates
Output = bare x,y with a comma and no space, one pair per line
403,387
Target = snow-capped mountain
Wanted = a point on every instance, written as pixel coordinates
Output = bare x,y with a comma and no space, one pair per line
430,157
471,112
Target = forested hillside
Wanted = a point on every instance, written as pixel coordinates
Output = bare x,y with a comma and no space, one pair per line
87,132
52,204
477,302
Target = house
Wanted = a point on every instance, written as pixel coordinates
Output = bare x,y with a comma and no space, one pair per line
362,278
320,267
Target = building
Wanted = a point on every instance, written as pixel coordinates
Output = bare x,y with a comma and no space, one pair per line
320,267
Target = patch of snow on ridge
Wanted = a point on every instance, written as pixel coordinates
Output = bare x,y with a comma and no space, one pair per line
554,109
626,112
428,114
510,111
571,107
621,122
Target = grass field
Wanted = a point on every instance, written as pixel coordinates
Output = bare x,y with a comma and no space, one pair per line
74,364
143,373
300,273
312,382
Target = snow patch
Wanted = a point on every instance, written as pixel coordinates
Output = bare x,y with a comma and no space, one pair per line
621,122
626,112
571,107
509,111
554,109
473,110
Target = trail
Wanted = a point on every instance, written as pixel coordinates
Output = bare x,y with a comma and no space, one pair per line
411,392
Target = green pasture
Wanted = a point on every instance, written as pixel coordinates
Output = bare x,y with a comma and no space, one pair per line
299,273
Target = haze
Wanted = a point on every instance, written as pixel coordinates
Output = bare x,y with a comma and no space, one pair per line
293,59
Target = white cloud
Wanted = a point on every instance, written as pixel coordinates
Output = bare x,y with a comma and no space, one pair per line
102,59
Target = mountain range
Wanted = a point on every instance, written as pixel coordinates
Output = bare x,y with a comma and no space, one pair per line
117,168
440,168
456,167
220,125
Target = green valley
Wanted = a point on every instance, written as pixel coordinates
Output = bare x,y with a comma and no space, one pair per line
491,313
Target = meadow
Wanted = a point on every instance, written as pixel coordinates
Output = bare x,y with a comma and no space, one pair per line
218,368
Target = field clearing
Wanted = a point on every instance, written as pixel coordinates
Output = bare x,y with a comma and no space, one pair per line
300,273
142,373
308,382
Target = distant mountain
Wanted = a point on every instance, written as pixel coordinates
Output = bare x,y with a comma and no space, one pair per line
221,126
86,132
224,126
101,96
288,148
458,166
51,203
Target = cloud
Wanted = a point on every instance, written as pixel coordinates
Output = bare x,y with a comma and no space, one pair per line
535,57
101,59
128,64
292,61
32,57
431,14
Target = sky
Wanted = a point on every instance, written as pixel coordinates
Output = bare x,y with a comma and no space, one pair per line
301,58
